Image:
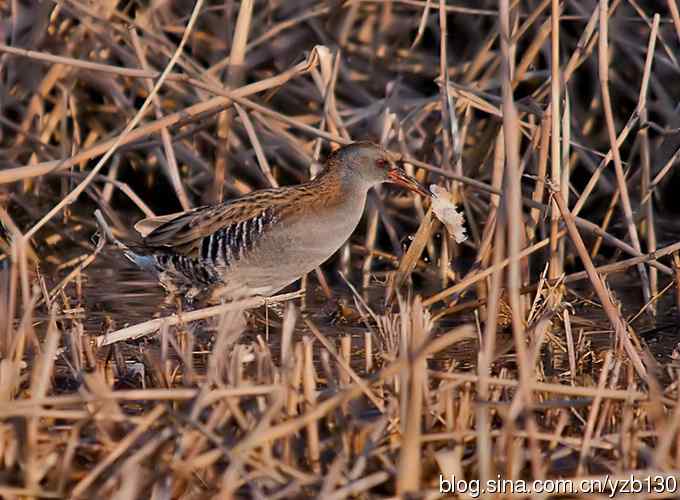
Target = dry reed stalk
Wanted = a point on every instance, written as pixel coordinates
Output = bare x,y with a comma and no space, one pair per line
676,269
593,414
346,356
294,396
566,390
556,263
609,214
541,169
486,251
174,394
673,8
570,345
309,388
368,352
410,259
19,251
170,162
40,382
554,437
369,243
615,242
622,330
485,357
565,149
409,472
645,155
532,51
627,263
234,79
603,72
261,158
652,302
514,220
449,138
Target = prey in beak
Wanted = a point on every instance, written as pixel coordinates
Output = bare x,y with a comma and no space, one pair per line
398,175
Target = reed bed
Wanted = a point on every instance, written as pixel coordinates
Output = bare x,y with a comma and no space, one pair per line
541,348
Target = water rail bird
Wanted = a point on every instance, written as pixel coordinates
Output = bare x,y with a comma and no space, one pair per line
265,240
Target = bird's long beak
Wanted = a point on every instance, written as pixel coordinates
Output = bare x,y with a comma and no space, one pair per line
399,176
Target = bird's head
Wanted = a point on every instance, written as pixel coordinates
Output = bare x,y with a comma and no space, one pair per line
372,165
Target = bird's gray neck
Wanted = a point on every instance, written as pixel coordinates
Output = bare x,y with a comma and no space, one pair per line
352,185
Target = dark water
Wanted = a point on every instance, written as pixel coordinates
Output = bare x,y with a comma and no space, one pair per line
116,294
116,290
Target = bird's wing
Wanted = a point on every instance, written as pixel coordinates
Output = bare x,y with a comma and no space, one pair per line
145,226
233,226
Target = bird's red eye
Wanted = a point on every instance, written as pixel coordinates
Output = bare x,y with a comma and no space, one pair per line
380,163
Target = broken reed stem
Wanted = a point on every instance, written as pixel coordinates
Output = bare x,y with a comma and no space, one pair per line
147,327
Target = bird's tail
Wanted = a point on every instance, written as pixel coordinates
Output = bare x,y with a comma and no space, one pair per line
147,262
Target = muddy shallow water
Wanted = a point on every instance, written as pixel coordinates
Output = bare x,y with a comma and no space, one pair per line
117,294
